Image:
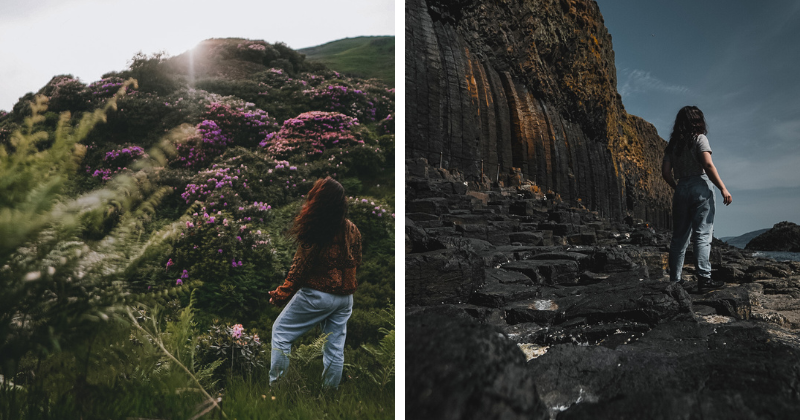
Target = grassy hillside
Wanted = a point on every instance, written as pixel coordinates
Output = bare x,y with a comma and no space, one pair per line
364,56
143,222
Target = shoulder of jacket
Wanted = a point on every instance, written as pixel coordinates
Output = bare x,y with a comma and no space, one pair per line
352,227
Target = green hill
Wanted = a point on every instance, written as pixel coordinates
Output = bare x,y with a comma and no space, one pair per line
364,56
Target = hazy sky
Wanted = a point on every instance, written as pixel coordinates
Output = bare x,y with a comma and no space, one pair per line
87,38
737,60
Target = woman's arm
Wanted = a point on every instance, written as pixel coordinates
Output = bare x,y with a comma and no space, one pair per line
713,175
285,291
666,173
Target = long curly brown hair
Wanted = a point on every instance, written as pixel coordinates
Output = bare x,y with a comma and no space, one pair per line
323,216
689,123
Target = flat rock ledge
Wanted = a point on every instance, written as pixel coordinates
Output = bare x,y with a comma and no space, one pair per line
520,306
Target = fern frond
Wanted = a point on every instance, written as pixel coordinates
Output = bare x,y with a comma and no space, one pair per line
306,353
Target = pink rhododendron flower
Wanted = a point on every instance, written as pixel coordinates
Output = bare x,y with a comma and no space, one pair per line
237,331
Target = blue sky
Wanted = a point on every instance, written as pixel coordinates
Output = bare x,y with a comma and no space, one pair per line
738,62
87,38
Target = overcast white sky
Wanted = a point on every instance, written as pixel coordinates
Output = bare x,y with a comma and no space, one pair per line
87,38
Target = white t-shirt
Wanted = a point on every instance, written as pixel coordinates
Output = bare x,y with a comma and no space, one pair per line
688,163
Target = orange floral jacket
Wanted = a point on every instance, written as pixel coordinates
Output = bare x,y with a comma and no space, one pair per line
334,271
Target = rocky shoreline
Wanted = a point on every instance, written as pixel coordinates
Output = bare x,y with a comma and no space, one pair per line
522,306
784,236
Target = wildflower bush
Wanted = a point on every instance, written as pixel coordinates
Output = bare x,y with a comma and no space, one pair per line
311,133
244,125
66,93
229,258
116,161
237,350
386,126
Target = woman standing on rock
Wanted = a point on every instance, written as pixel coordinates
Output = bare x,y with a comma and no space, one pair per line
688,158
321,281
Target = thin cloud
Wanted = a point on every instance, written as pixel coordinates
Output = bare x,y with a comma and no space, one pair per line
787,133
640,81
751,173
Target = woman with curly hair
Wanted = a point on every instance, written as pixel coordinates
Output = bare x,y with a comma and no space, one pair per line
321,280
687,158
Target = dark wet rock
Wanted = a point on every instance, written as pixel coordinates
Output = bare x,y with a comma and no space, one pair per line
418,240
464,219
618,259
643,236
693,371
789,286
442,276
615,299
585,261
731,273
422,217
729,301
435,205
463,370
547,271
586,238
527,238
472,313
502,287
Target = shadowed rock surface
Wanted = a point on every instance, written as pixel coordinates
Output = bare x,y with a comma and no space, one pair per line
521,167
485,375
502,275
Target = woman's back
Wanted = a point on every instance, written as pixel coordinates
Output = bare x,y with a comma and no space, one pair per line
333,269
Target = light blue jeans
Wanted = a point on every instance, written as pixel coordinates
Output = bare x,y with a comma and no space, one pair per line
693,208
306,309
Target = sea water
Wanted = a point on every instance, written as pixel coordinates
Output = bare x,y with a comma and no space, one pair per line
778,255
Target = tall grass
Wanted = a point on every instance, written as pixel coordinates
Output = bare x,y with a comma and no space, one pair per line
146,368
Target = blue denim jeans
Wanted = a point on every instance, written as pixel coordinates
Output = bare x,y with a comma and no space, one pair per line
306,309
693,209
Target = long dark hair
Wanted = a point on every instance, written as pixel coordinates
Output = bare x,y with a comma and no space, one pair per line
689,123
323,215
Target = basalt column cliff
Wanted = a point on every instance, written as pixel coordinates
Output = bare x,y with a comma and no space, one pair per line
529,84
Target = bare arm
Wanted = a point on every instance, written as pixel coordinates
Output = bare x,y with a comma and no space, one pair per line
713,175
666,173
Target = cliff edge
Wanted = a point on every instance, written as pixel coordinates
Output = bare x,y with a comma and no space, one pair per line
529,84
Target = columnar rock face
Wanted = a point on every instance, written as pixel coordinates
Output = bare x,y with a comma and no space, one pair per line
529,84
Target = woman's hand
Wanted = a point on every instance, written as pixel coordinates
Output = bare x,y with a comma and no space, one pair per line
727,198
713,175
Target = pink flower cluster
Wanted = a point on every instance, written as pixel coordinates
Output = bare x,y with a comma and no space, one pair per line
312,133
119,158
105,88
61,88
211,134
252,46
386,125
126,153
223,126
237,330
369,207
219,177
351,101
